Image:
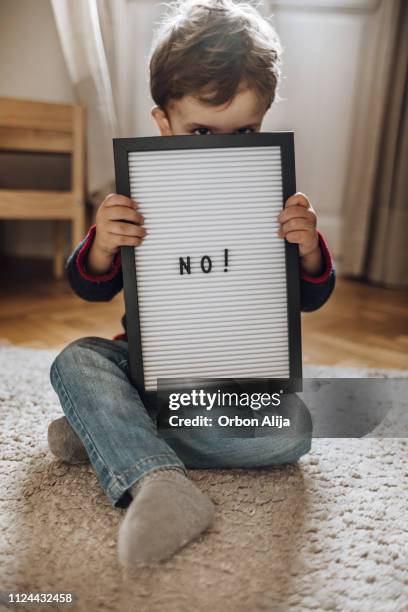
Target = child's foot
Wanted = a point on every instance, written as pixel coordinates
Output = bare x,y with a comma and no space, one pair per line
167,512
64,443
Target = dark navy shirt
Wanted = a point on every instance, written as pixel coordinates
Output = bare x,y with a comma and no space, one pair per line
314,290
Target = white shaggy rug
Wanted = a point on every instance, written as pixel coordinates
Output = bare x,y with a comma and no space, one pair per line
328,534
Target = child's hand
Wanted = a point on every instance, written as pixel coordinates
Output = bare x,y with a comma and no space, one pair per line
118,223
298,225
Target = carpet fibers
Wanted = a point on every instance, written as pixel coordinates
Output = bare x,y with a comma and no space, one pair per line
327,534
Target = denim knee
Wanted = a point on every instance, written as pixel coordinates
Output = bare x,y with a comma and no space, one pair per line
68,359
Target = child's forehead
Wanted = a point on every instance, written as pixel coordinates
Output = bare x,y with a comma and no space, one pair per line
246,108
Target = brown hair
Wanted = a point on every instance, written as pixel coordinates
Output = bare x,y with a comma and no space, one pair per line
206,48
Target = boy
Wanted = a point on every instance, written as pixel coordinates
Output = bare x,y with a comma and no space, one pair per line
214,68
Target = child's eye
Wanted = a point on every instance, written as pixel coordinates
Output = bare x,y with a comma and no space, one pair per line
203,131
242,130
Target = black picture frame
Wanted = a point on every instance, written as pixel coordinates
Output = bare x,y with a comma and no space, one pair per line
285,140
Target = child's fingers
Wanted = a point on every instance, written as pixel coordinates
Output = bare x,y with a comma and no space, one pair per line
119,212
306,242
115,199
133,241
294,225
295,211
119,228
298,199
298,237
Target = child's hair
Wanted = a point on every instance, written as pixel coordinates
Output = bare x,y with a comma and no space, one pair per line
206,48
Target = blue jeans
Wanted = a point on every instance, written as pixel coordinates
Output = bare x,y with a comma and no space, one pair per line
121,436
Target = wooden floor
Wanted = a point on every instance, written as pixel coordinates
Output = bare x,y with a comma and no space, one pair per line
359,326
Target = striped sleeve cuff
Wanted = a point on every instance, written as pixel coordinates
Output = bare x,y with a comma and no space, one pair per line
328,260
83,256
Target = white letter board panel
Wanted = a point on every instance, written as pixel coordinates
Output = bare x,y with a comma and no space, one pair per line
207,291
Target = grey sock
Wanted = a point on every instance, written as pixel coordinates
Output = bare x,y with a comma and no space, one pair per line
64,443
167,512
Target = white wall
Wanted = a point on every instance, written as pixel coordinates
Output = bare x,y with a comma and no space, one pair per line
31,67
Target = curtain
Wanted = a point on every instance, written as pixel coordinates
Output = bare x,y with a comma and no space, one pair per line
93,37
376,205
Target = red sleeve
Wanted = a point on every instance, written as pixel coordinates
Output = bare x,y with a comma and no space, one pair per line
83,255
122,336
328,261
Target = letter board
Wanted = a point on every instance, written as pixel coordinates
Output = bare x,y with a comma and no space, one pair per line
211,291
